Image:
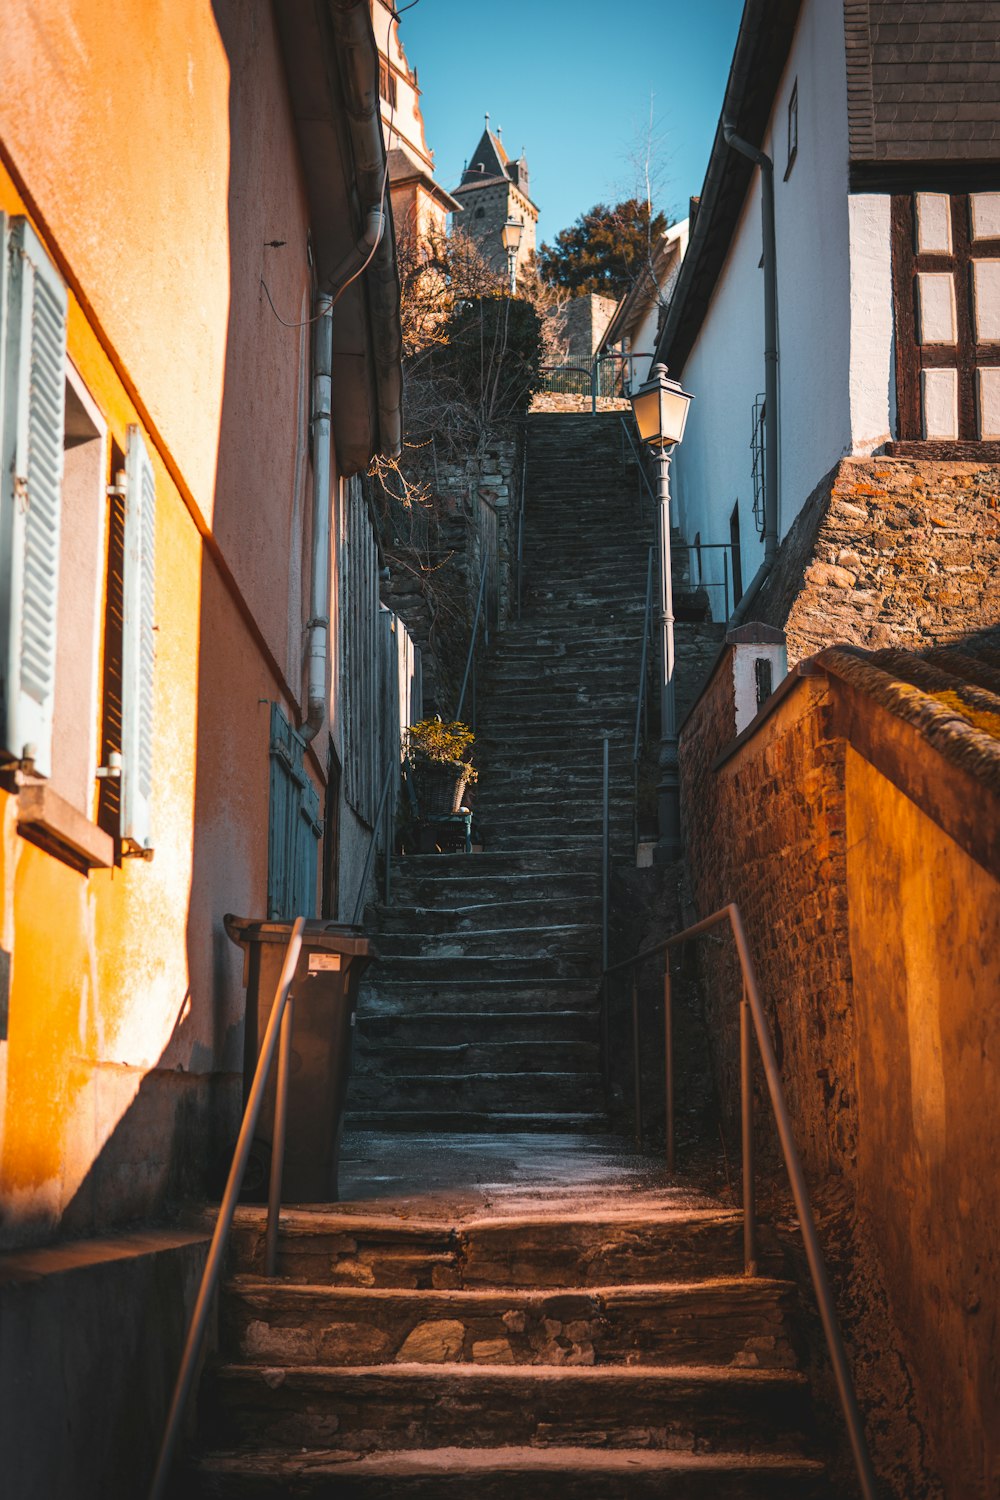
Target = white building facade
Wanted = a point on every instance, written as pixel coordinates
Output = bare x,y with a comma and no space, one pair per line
887,239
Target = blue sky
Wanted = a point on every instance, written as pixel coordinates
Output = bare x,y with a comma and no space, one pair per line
572,83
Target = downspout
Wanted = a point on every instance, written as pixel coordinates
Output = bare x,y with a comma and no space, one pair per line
770,366
317,648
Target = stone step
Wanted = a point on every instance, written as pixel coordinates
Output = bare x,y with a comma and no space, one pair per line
524,1053
410,1028
529,1473
330,1246
477,1093
482,866
448,891
387,993
569,940
472,916
739,1321
485,1122
435,969
386,1407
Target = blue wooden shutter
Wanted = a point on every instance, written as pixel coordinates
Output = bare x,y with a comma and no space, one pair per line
138,644
293,826
33,321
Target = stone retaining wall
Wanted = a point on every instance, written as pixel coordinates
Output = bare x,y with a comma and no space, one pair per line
890,552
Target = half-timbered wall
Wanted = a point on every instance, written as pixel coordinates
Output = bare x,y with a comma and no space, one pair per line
946,279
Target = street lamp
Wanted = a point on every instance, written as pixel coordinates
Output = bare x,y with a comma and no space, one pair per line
661,407
510,235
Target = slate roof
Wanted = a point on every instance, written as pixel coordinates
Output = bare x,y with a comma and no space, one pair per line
489,160
923,80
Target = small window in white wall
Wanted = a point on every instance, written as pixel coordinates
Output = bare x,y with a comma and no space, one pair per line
793,128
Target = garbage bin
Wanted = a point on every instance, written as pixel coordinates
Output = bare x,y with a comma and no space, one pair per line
325,992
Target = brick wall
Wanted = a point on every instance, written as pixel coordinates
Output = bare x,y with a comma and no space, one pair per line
890,552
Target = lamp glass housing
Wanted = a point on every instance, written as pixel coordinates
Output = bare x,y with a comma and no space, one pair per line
660,407
510,234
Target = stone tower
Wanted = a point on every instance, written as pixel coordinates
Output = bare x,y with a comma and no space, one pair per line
494,189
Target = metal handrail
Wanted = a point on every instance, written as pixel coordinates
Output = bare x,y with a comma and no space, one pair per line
637,454
383,808
472,643
753,1017
520,521
641,697
280,1020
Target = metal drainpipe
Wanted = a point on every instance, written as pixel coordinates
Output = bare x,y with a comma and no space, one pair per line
771,459
317,648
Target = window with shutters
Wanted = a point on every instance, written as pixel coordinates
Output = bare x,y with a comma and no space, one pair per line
76,679
294,826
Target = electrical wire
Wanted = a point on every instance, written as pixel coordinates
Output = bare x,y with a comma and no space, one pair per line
394,16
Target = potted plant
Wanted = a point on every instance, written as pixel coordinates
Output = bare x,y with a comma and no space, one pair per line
438,755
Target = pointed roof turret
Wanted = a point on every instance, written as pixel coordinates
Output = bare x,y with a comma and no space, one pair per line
488,160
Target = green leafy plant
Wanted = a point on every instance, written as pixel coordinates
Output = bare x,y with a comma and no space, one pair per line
447,743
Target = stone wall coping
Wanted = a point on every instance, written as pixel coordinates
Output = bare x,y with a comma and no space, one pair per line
904,732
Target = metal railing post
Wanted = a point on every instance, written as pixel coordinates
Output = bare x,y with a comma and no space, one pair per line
389,834
472,643
278,1140
637,1058
223,1224
605,852
746,1131
668,1048
359,905
753,1015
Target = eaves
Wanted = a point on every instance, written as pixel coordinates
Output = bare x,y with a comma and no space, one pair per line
762,49
331,65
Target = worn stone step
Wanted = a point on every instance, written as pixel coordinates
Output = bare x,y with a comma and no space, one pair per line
450,892
492,991
483,866
529,1473
523,1054
539,911
412,1028
567,940
476,1122
438,968
477,1093
739,1321
385,1407
330,1246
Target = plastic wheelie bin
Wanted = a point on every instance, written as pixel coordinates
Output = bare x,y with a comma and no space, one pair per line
324,993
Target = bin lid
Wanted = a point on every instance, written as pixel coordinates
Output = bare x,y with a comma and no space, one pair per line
328,937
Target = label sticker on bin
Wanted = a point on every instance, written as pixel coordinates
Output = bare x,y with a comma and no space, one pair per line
323,962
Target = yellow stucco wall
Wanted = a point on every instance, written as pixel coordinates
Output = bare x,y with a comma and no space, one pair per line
925,955
154,153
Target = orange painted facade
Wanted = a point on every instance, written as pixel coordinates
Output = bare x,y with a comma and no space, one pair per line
155,155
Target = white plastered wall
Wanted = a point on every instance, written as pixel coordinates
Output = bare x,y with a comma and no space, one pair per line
836,393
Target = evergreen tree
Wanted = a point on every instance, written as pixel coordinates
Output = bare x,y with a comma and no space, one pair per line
604,251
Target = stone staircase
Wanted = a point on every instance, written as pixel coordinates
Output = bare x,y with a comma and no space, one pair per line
590,1339
482,1014
507,1303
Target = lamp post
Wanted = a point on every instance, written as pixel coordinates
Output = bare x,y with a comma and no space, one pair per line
661,407
510,234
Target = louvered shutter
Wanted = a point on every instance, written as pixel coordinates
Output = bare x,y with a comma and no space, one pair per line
138,653
33,303
294,826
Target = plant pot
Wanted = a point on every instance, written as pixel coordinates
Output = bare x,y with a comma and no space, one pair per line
440,786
